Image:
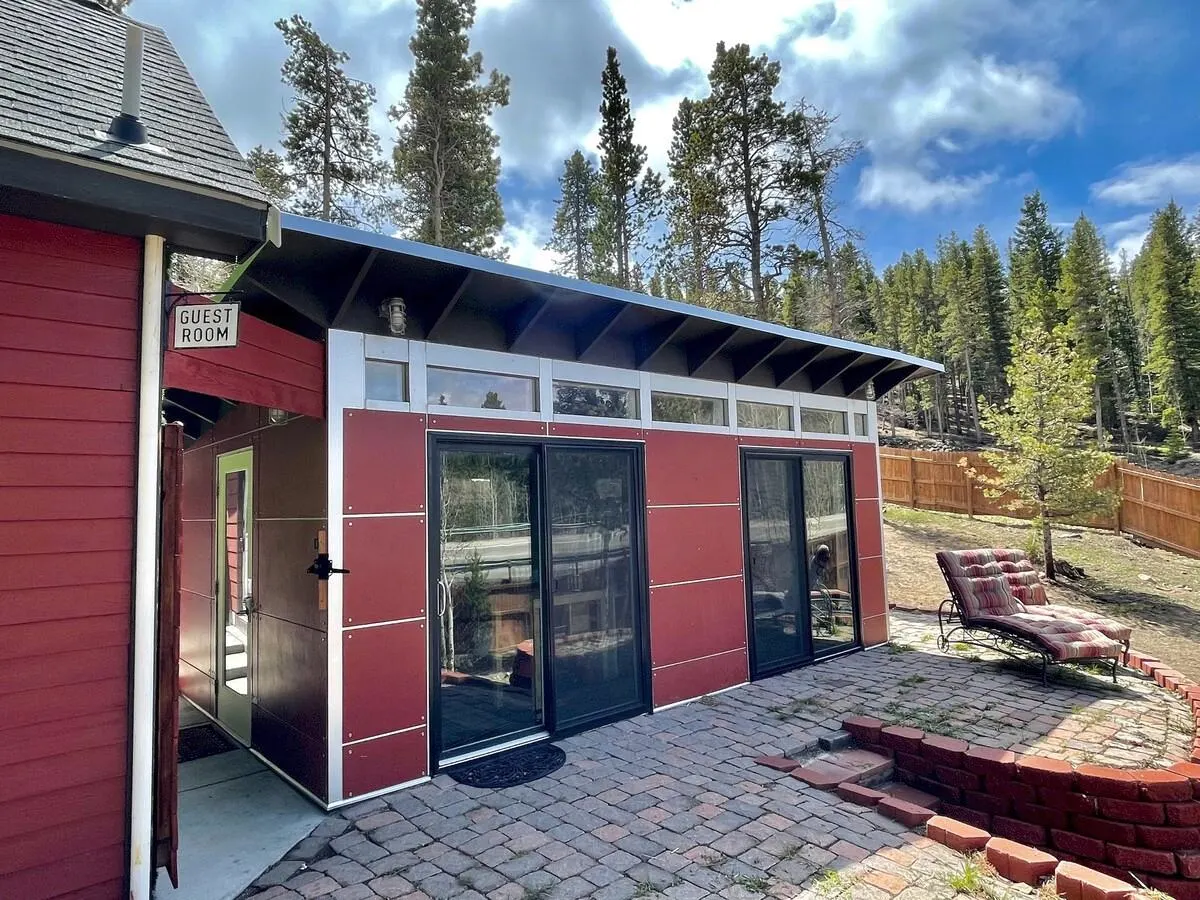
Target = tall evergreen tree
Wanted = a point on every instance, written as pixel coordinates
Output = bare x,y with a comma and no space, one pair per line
333,157
271,172
1085,290
576,218
632,193
989,293
963,324
1173,320
695,211
1035,256
445,155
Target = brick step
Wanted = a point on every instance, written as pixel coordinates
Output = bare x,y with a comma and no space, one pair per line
827,770
905,804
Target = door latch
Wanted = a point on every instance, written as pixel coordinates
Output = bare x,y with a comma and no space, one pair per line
322,567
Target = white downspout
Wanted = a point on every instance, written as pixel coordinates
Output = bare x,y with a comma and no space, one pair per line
145,574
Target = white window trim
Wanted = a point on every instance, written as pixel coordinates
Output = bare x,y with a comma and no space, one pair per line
601,376
388,349
492,362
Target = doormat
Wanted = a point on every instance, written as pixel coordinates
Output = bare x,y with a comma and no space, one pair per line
509,769
200,741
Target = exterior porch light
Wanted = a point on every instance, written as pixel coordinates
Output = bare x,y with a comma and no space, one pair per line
277,416
393,310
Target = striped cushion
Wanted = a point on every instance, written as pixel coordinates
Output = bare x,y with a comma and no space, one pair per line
1110,628
1062,639
978,582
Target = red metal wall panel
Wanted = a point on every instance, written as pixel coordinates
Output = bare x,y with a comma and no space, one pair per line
385,682
691,467
871,588
387,563
692,620
67,434
865,474
690,543
700,676
826,443
384,462
385,761
869,529
875,631
485,425
602,432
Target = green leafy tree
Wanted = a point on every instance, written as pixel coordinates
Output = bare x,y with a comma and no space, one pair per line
577,218
696,212
1040,462
270,169
631,193
492,401
332,155
1172,303
445,155
1035,257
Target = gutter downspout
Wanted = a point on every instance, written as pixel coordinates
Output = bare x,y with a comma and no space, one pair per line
145,574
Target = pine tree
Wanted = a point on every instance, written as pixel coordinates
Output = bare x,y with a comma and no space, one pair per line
632,193
695,212
1083,291
754,138
117,6
1173,320
576,219
1041,462
445,154
1035,256
963,325
989,291
271,172
332,155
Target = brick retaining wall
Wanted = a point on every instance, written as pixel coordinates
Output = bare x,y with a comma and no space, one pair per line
1119,821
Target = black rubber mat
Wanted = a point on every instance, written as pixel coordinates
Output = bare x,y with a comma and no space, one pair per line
510,768
200,741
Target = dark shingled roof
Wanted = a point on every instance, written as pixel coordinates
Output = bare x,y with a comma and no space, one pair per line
60,83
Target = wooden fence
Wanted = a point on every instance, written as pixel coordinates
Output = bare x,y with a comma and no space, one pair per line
1163,510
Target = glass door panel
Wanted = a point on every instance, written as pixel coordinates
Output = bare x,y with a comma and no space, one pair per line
594,587
489,609
778,618
829,554
235,599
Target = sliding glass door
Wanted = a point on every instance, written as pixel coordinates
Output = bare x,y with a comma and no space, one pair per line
800,558
538,602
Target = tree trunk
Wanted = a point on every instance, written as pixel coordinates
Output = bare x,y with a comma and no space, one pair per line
835,301
1122,415
972,400
1101,437
1047,540
327,149
697,263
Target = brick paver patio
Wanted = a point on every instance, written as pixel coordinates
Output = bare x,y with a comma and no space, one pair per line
672,805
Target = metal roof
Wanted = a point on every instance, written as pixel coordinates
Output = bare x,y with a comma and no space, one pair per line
331,276
60,83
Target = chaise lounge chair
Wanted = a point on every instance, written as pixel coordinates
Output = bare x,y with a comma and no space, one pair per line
997,601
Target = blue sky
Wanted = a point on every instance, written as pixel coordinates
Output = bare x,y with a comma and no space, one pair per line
963,105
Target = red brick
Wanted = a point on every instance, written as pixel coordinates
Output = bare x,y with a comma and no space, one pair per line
956,835
1168,678
1017,862
1025,832
901,737
993,804
1044,772
946,792
1104,830
990,762
1067,801
778,763
959,778
1014,790
864,729
1177,887
822,775
1182,813
1158,838
1164,785
913,795
1141,859
856,793
1105,781
880,749
1189,864
1040,815
905,813
1076,882
1077,844
969,816
944,751
1132,811
911,762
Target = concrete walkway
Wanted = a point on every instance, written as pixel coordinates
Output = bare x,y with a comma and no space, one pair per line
672,805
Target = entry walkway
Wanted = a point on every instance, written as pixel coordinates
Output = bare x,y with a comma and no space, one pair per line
672,804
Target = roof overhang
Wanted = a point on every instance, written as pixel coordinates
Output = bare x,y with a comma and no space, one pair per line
85,193
328,276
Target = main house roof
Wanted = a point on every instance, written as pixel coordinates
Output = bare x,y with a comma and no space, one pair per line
329,276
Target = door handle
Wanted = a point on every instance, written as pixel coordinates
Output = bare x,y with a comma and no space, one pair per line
442,592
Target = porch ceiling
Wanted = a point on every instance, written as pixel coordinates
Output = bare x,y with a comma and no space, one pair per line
328,276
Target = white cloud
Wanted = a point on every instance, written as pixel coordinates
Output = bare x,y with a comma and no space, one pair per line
525,234
1126,234
912,190
1151,183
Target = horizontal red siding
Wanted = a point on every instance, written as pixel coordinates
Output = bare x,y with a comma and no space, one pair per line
68,376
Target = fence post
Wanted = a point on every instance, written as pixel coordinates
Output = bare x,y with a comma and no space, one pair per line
912,479
970,490
1118,486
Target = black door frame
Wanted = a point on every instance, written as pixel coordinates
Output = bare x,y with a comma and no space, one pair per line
543,564
800,528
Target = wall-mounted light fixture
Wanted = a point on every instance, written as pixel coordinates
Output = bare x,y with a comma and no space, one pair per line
394,311
277,416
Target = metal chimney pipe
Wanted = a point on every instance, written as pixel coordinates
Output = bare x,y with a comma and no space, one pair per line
127,127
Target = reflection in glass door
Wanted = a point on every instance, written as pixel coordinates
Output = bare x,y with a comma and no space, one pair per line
488,611
235,598
800,558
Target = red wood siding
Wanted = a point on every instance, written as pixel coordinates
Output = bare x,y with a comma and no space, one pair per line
269,367
68,375
868,524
